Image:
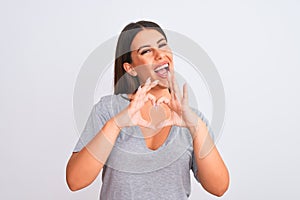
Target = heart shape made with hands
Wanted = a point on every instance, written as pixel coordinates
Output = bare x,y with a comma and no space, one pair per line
157,115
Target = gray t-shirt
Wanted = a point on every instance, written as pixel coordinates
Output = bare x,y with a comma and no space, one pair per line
132,170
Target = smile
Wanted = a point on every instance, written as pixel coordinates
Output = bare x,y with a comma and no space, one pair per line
162,71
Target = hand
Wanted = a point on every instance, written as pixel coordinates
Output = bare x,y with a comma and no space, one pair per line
181,113
131,116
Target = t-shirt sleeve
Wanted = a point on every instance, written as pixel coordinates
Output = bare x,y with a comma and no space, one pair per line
95,122
194,164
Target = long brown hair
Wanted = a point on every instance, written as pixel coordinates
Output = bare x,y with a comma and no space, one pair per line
123,82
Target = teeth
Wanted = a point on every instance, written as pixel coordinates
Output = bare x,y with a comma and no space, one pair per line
161,67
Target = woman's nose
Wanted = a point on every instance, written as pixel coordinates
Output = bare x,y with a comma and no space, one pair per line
159,53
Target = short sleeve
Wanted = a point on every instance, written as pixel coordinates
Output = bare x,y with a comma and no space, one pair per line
95,122
211,133
205,120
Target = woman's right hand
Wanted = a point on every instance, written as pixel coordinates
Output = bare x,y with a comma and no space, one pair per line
131,116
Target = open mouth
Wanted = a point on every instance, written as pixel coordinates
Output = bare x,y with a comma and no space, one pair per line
162,70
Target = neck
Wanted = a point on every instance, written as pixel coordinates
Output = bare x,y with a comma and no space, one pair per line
158,92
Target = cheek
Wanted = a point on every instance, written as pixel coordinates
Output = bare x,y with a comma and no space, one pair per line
169,52
143,73
141,70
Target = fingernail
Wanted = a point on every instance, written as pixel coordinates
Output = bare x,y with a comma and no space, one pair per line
155,82
159,125
169,75
148,80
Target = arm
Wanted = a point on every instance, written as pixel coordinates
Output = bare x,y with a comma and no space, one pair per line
212,172
84,166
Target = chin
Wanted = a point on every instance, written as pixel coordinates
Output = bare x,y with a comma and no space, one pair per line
163,85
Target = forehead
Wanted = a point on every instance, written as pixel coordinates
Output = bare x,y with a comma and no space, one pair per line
146,37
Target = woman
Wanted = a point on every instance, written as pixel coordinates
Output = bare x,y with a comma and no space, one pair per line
145,137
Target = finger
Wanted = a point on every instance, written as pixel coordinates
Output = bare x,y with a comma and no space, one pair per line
154,83
176,89
139,89
136,96
171,85
140,98
138,92
164,124
141,94
150,97
145,123
148,85
163,100
151,85
148,81
144,85
185,94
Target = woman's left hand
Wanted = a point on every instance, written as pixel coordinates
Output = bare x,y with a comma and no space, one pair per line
181,113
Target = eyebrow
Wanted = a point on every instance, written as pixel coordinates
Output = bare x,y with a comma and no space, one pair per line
149,45
160,40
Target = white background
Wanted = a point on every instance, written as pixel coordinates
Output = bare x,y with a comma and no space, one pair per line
255,46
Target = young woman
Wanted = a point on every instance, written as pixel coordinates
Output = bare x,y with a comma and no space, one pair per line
145,137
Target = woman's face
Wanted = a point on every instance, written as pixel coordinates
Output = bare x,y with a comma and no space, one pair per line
151,56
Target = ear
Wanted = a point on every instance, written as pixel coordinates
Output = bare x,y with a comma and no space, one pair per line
129,69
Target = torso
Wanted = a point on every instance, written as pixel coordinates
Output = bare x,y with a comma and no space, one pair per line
155,138
136,170
158,139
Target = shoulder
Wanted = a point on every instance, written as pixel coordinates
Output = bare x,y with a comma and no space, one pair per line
206,121
111,102
200,114
108,99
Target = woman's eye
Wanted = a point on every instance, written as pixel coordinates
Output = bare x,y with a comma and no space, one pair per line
162,45
145,51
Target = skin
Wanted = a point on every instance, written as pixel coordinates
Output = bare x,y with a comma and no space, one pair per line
149,49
